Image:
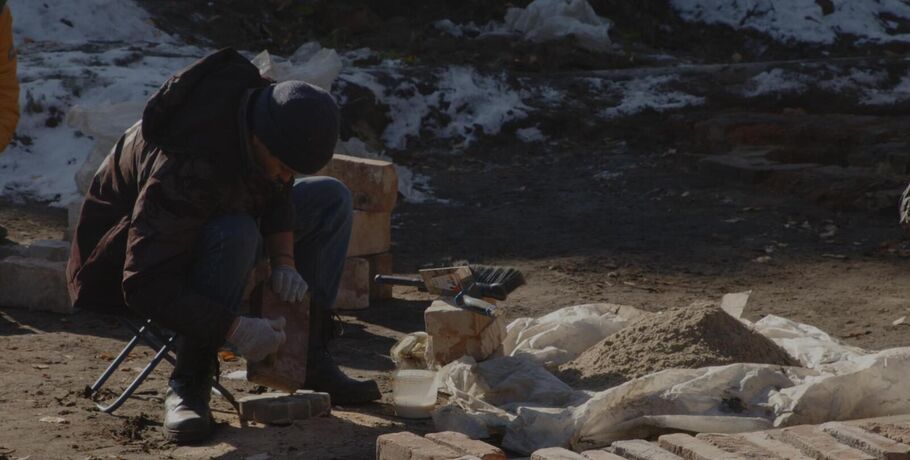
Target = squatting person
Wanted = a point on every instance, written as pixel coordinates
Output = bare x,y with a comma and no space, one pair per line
187,200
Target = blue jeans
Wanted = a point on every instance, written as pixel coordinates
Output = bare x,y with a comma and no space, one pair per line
231,244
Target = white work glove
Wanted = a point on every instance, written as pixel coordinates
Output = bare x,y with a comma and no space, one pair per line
256,338
288,284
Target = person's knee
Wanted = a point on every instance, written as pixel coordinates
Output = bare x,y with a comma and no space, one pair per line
329,192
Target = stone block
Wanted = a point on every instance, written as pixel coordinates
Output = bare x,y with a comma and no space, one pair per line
818,444
870,443
73,211
600,455
409,446
354,291
283,408
467,446
731,443
54,250
36,284
777,448
9,250
638,449
556,453
899,432
371,233
694,449
373,183
380,264
455,332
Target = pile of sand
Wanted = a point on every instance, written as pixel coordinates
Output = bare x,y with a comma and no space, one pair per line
690,337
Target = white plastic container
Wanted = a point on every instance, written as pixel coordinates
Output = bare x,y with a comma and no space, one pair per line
414,393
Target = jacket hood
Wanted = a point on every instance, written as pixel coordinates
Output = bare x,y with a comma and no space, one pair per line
199,109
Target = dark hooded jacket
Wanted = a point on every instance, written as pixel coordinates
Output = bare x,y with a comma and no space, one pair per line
188,160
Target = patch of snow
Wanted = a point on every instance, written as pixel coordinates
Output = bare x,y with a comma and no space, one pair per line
855,80
775,81
530,135
449,27
802,20
899,93
547,20
68,21
647,93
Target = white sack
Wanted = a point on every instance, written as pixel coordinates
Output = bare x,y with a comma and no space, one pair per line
547,20
809,344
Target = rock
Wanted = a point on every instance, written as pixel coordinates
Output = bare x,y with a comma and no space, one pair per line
36,284
282,408
53,250
455,332
354,292
371,233
373,183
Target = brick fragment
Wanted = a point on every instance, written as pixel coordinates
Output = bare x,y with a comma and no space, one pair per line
870,443
638,449
36,284
818,444
409,446
455,332
694,449
371,233
354,290
373,183
284,409
600,455
556,453
738,445
465,445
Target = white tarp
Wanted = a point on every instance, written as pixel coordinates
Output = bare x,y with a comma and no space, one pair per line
516,396
547,20
310,63
105,123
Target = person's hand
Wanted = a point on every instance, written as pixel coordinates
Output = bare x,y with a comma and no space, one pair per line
256,338
288,284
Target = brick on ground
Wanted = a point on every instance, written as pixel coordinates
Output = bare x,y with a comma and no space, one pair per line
283,408
36,284
380,264
556,453
455,332
467,446
638,449
354,291
896,431
765,440
694,449
739,445
371,233
600,455
818,444
373,183
409,446
53,250
870,443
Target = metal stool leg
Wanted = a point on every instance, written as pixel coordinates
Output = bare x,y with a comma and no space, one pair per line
138,380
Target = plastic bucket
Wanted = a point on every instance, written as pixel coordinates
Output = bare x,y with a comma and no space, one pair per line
414,393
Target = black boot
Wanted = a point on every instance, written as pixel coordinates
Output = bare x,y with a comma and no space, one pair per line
323,374
187,417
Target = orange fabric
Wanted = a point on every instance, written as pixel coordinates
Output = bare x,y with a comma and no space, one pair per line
9,82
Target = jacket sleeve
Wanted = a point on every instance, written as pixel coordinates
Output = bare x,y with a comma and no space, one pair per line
9,82
168,218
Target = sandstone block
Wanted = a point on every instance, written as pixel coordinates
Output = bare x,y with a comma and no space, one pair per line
354,292
600,455
409,446
777,448
466,445
282,408
373,183
371,233
380,264
818,444
556,453
870,443
73,211
731,443
9,250
54,250
694,449
638,449
36,284
455,332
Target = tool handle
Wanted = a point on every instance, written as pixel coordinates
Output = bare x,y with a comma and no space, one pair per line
476,305
491,290
400,280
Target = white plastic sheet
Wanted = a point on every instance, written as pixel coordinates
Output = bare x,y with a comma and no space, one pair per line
310,63
546,20
105,123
